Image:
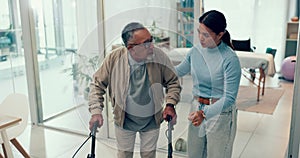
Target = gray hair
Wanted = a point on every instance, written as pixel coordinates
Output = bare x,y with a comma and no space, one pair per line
129,29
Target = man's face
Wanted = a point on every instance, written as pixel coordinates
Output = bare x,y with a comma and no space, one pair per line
141,46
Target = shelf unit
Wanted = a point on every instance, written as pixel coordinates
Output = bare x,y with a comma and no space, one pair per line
185,27
291,39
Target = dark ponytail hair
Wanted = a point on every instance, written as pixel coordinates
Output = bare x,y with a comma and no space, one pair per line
216,21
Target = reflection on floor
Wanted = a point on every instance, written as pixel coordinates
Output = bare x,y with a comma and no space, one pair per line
258,135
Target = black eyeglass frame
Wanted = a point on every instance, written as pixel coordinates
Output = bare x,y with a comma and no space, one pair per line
146,43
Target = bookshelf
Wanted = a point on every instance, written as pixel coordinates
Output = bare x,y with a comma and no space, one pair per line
291,39
185,27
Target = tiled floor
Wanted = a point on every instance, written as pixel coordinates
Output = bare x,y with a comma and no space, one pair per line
262,135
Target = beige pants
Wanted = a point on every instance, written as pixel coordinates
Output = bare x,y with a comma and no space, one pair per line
126,141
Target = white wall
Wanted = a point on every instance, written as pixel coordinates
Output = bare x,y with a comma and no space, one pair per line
118,13
4,15
275,32
239,19
246,19
249,19
292,9
87,33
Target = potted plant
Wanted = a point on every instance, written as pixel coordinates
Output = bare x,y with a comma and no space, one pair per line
159,36
83,67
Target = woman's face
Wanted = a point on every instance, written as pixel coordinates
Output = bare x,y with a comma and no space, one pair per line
208,38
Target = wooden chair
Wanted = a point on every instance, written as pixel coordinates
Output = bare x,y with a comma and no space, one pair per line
15,105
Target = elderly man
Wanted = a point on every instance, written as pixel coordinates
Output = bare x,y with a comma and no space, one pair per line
135,76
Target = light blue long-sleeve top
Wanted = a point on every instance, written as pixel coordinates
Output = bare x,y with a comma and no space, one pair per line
216,73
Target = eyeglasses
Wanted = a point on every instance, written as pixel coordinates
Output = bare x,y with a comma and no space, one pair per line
146,43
